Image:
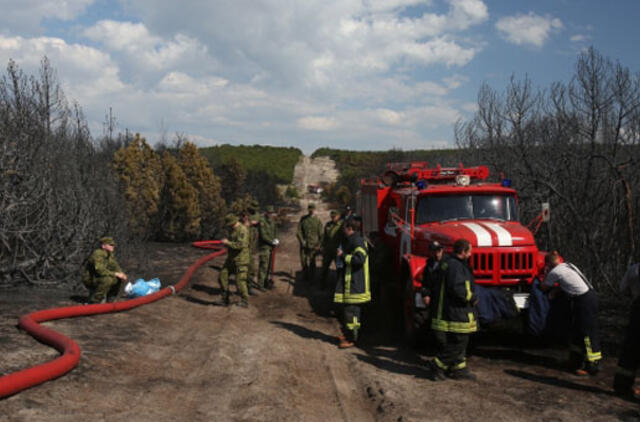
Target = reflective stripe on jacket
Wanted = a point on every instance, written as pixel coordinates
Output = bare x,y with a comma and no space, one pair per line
453,298
354,286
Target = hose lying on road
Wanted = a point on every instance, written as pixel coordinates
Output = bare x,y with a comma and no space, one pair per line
21,380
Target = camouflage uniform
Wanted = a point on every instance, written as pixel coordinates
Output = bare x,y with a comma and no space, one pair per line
237,260
310,237
99,276
268,232
333,237
253,240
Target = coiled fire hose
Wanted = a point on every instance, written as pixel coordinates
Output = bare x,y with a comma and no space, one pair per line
17,381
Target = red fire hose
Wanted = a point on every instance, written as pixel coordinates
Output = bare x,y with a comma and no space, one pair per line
21,380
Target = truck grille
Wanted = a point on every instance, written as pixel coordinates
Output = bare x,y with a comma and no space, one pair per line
501,266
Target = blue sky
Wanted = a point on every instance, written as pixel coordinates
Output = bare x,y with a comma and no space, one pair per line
356,74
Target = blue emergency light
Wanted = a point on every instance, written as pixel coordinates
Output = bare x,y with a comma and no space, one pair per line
506,183
421,184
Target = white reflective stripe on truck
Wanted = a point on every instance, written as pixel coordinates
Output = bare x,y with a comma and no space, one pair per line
504,237
482,235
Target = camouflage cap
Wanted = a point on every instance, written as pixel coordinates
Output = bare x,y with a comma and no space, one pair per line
269,209
254,204
107,240
230,220
333,213
311,206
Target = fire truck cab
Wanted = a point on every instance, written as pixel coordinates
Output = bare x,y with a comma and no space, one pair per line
412,205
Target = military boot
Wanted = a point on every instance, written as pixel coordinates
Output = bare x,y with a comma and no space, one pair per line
224,300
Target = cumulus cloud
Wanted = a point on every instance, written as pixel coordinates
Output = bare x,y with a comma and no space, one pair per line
317,41
25,16
530,29
262,71
317,123
85,71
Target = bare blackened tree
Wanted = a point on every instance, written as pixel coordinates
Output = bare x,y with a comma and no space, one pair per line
576,146
57,194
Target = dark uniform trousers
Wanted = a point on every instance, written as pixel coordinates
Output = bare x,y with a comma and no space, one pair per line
351,321
630,356
451,350
585,342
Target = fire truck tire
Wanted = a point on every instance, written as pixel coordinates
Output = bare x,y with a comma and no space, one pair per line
415,320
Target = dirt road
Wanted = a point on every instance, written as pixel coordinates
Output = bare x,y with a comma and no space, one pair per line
187,359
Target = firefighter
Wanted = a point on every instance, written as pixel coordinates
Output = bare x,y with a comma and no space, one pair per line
310,238
237,261
267,240
353,289
253,219
585,354
430,274
102,273
453,301
629,359
331,240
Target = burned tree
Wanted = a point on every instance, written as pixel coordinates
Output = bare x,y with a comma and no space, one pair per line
576,146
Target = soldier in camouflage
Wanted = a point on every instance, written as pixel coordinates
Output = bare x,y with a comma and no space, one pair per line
102,273
267,240
254,220
332,238
237,261
310,238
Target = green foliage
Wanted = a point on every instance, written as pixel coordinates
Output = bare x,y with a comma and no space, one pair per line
233,177
200,175
180,208
176,197
256,158
141,177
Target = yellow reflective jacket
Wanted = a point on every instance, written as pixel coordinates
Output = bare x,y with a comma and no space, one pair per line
453,296
353,286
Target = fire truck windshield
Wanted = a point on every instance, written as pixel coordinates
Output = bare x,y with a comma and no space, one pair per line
466,207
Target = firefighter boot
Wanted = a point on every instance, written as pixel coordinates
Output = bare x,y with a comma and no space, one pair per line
462,374
437,373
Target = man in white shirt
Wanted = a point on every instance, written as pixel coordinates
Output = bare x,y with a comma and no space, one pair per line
585,354
629,360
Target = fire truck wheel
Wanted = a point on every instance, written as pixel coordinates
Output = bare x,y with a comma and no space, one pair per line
415,320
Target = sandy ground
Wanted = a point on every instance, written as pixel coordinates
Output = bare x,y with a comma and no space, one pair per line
185,358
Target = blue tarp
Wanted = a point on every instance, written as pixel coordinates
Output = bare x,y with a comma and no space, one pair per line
548,318
494,304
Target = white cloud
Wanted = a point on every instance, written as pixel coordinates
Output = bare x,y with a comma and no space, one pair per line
579,38
332,72
530,29
85,71
317,123
318,41
24,16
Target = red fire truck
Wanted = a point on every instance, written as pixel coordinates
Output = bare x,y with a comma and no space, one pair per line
412,205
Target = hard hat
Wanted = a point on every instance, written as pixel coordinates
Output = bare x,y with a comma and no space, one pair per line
435,245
